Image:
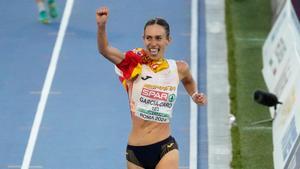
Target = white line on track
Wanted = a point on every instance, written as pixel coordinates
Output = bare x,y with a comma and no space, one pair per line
50,93
18,166
47,85
194,68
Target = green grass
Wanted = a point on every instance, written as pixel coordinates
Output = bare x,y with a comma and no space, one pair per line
248,23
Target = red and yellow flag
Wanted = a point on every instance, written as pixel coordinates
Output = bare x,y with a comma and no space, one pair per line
131,65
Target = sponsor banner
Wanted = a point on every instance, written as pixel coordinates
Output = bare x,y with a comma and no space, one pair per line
286,126
286,130
281,72
280,60
293,160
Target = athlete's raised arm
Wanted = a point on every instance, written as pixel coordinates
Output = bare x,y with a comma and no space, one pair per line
112,54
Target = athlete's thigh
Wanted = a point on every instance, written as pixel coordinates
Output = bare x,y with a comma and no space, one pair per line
130,165
169,160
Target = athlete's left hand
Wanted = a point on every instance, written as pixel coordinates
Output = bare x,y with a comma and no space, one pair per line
199,98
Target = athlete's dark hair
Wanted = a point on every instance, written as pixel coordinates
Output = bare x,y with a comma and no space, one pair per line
161,22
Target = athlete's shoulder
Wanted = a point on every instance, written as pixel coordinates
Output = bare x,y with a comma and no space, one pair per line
182,68
182,65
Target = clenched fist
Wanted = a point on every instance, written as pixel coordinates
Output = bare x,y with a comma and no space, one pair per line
102,16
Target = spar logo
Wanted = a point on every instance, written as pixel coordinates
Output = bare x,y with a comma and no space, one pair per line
157,95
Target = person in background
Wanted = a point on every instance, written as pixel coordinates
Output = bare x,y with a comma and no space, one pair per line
43,14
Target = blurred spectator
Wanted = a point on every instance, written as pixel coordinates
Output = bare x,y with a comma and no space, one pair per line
43,13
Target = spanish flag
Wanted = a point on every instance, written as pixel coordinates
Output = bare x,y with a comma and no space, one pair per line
131,65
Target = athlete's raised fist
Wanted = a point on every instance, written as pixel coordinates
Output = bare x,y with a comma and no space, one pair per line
102,15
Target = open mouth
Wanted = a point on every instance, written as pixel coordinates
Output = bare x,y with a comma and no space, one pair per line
154,51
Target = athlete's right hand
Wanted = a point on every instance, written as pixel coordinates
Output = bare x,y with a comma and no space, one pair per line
102,16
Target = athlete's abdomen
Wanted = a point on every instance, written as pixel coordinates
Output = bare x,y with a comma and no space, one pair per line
147,132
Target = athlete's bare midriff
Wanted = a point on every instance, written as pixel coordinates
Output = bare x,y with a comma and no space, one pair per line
147,132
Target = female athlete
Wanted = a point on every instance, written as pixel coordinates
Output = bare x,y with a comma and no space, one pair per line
151,82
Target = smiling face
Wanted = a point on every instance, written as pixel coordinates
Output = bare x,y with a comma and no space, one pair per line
156,39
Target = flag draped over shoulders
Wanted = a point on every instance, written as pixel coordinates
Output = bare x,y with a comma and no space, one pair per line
131,66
